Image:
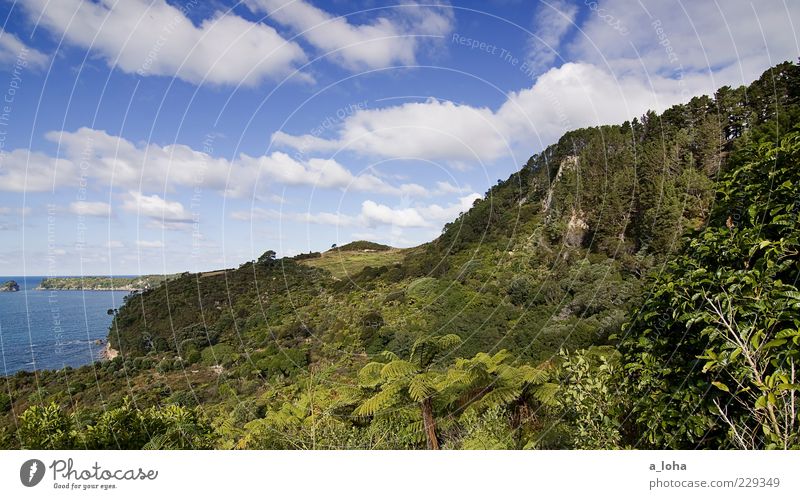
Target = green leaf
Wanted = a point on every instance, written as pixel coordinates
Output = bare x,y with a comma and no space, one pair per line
722,386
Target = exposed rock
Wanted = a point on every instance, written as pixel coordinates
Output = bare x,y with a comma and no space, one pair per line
9,287
576,229
568,163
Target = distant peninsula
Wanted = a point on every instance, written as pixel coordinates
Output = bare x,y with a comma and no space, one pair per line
104,283
9,287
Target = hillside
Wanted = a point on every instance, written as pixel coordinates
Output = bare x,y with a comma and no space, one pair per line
351,259
530,317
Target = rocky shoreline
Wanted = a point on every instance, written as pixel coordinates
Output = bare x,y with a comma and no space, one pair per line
108,353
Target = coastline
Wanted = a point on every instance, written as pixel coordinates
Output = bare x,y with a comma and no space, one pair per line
78,288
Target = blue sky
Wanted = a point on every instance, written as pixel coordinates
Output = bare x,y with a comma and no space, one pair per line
145,136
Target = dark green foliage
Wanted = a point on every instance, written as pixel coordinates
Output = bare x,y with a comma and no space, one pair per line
713,351
5,402
363,246
307,256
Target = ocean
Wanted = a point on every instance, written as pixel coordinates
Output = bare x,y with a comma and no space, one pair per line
52,329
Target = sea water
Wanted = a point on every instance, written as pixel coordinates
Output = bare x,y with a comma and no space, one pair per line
51,329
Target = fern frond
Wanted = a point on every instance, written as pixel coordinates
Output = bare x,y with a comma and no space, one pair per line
421,387
388,356
386,398
500,396
448,341
546,393
397,369
370,375
533,375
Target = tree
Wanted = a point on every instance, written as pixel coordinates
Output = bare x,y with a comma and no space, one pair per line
493,383
413,381
589,398
712,356
267,258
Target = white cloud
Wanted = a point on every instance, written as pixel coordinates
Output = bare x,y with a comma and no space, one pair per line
114,244
440,214
321,218
434,129
149,244
153,37
553,20
13,51
90,208
155,207
394,37
109,159
372,214
27,171
280,168
573,96
380,214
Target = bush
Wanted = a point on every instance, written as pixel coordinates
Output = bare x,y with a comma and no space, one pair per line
520,290
5,402
46,427
222,354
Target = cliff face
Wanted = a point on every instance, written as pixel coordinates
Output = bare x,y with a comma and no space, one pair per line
9,287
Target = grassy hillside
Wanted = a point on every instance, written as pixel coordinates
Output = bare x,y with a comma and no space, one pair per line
344,263
501,333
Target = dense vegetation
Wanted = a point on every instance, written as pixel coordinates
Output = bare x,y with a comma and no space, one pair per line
631,286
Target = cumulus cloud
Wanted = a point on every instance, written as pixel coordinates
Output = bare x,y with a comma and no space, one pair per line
572,96
27,171
12,50
434,129
156,207
372,214
107,159
258,214
90,208
155,38
394,37
380,214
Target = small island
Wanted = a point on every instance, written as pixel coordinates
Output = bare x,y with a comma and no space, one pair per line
103,283
9,287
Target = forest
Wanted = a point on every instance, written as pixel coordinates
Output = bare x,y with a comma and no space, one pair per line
632,286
